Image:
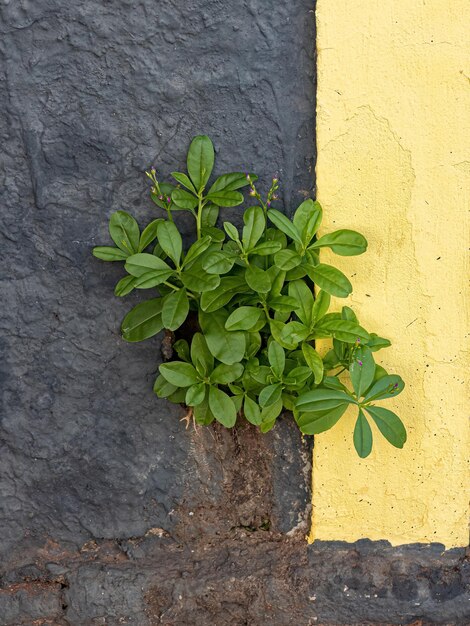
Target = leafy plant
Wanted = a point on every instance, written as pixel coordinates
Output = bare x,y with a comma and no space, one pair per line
244,311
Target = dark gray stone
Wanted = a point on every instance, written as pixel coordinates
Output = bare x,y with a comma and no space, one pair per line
94,92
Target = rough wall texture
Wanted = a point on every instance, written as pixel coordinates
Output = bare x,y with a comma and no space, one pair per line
111,513
95,92
394,121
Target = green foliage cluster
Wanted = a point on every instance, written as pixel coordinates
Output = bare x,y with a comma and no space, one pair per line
255,315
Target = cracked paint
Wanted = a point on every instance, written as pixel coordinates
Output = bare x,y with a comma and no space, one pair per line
392,135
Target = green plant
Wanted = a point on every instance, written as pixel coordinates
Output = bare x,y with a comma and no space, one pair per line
244,308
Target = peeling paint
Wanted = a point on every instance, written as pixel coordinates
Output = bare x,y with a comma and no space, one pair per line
392,139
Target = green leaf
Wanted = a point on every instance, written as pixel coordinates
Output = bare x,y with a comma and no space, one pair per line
270,394
179,374
287,259
314,361
175,309
225,198
266,248
255,225
228,347
273,234
330,361
170,240
319,400
307,220
201,356
179,396
288,400
181,348
216,234
277,277
294,379
195,394
297,272
284,224
277,358
252,411
195,251
124,286
387,386
380,372
231,231
333,382
298,376
344,242
314,423
302,293
266,426
219,297
320,306
376,343
224,374
202,413
237,401
253,344
243,318
222,407
158,251
143,321
231,182
163,388
210,214
200,161
284,304
124,231
196,280
185,181
260,374
295,331
342,329
362,370
150,279
330,279
258,279
389,424
184,199
149,234
348,314
218,263
141,263
107,253
281,336
341,350
362,436
269,414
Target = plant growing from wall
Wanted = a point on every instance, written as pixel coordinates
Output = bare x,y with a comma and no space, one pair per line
242,310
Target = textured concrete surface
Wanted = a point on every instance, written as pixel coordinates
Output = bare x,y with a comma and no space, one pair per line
394,122
93,93
111,513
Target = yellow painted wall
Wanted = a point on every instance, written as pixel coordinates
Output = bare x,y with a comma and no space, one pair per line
393,134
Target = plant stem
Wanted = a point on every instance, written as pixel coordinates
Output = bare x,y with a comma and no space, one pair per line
266,310
199,218
165,282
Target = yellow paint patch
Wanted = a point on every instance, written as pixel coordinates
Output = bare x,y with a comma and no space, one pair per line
393,133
